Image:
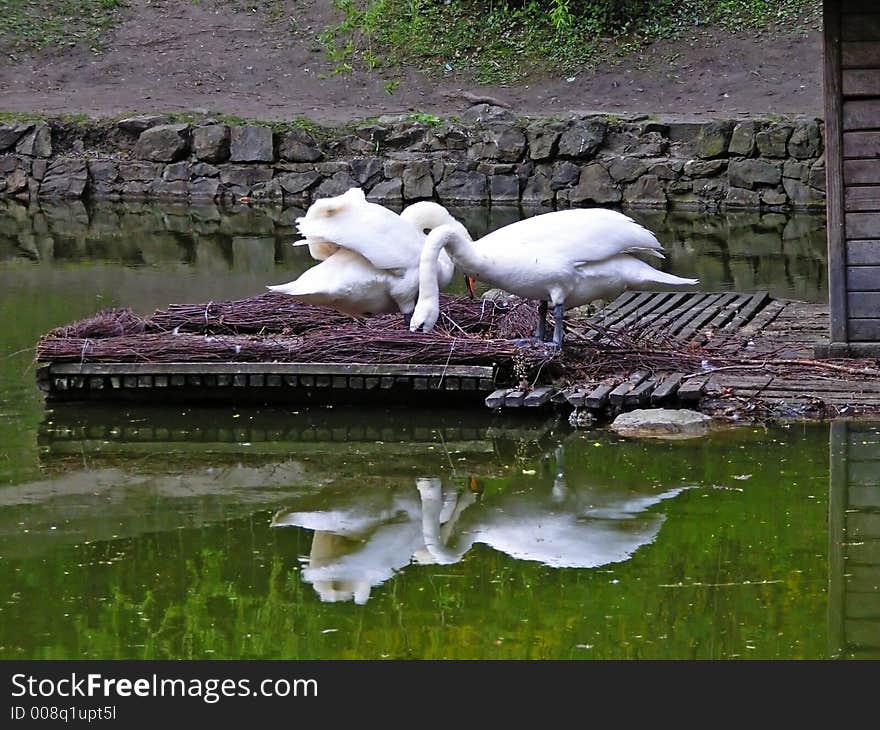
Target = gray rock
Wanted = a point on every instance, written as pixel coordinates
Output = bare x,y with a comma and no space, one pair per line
38,168
164,143
663,423
245,176
504,189
487,114
773,141
463,187
742,198
543,139
704,168
796,170
205,187
403,135
627,169
652,144
14,181
334,185
647,191
135,190
203,169
251,143
176,171
582,138
816,176
773,197
713,139
142,122
418,181
387,191
595,185
65,177
211,143
749,173
103,171
565,174
11,133
802,195
742,141
805,141
168,189
140,171
506,143
367,171
538,190
37,142
663,170
298,145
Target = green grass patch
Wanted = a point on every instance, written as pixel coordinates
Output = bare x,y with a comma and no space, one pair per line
507,40
32,24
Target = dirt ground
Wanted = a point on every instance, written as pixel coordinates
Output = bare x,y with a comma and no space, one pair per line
178,55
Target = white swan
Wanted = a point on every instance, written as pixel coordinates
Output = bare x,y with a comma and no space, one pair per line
369,255
566,258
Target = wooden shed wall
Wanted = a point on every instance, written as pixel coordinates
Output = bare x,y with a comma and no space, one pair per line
852,117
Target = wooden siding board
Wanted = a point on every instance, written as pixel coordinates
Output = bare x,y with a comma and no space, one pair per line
861,172
860,26
861,114
860,54
861,198
863,252
861,82
864,304
863,278
864,329
855,144
862,225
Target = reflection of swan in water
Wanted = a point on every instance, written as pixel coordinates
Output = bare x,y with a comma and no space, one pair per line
582,526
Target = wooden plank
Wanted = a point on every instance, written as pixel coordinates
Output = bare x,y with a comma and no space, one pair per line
863,252
538,396
860,27
496,398
666,388
862,526
755,302
618,393
860,54
864,304
863,278
726,314
692,389
640,394
861,114
598,397
659,325
861,172
863,497
671,302
861,82
695,312
514,398
575,396
639,302
864,329
710,311
861,198
858,144
265,368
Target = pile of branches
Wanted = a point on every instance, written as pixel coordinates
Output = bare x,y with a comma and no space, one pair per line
277,328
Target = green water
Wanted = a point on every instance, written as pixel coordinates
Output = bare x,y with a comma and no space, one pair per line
157,532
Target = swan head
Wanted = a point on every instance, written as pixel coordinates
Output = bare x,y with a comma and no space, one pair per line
425,315
426,215
328,219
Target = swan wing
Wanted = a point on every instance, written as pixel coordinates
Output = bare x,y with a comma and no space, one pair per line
349,221
578,235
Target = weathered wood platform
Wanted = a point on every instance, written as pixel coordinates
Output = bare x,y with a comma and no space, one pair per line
741,354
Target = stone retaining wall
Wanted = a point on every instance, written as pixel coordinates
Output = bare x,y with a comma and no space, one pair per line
489,156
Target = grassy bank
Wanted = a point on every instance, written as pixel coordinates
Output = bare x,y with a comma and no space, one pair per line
506,40
32,24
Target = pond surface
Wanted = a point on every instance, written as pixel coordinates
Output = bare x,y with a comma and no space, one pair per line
156,532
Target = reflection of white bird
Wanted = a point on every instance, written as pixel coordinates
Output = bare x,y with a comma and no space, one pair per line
566,258
368,254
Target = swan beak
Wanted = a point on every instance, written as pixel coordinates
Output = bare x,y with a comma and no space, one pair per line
469,283
474,484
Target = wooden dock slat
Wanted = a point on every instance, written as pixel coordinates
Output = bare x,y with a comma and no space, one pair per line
496,398
666,388
514,398
640,314
264,368
575,396
617,394
692,389
640,395
687,302
757,300
709,310
660,309
538,396
620,313
598,397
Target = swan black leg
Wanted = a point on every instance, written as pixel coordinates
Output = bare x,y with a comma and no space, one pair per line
407,318
541,329
558,336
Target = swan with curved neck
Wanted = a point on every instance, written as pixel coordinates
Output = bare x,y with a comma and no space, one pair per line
563,259
369,255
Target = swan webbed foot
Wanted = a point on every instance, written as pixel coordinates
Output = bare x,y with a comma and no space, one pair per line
527,341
